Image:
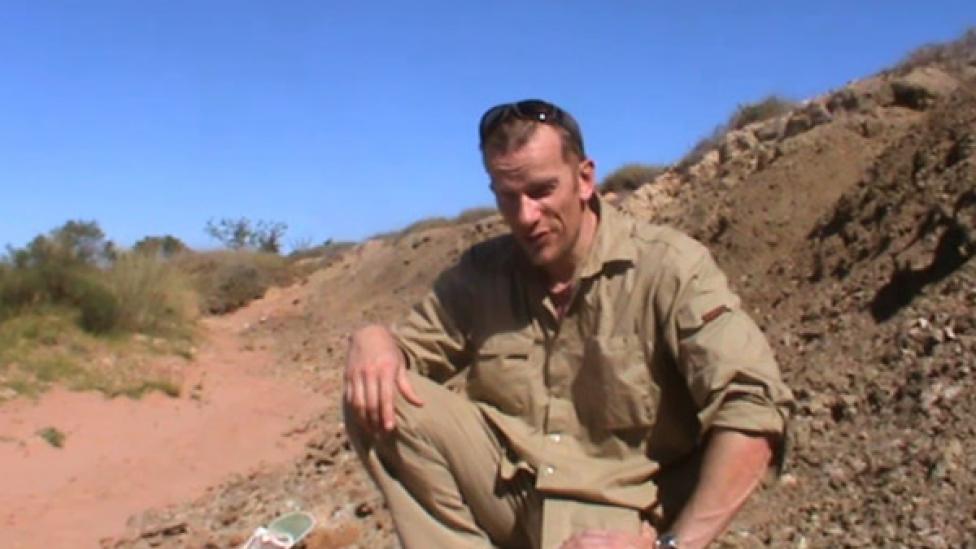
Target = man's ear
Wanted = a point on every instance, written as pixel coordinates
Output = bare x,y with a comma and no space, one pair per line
587,179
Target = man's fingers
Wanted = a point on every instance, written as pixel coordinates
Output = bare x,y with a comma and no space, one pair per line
609,539
387,396
359,399
373,401
648,532
587,539
403,383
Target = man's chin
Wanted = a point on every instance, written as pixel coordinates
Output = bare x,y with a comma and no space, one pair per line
537,256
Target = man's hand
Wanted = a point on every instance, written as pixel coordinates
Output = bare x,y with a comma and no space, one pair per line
375,370
610,539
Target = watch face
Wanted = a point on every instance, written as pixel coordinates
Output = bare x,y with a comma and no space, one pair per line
668,541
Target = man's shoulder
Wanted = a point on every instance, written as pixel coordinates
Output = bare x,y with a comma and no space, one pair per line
495,254
666,246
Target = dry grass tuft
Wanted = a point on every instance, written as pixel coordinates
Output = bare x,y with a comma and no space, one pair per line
154,296
629,178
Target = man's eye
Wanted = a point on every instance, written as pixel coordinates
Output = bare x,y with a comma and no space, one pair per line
506,197
539,192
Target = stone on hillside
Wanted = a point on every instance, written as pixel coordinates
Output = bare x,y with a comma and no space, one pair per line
766,156
845,99
872,127
770,130
805,119
861,96
736,143
706,168
920,88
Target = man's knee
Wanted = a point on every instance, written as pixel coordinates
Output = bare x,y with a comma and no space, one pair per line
411,419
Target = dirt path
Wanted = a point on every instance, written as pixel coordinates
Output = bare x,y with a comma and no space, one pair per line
123,456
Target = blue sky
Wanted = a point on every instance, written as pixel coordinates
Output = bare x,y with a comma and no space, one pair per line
345,119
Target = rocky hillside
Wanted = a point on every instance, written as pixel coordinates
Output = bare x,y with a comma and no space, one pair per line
848,226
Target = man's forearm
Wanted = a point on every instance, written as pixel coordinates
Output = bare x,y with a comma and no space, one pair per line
733,466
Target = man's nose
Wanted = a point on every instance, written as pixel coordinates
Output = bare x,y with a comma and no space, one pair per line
528,212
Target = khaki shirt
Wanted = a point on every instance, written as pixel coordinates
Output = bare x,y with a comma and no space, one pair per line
654,350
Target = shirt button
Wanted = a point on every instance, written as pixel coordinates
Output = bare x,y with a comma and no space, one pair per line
555,437
548,469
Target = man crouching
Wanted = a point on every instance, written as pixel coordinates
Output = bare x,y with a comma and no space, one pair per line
613,393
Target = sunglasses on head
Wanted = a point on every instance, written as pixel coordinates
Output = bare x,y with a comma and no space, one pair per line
530,109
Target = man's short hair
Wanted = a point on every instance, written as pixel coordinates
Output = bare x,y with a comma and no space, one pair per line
509,126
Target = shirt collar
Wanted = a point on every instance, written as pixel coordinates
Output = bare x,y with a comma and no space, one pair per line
613,242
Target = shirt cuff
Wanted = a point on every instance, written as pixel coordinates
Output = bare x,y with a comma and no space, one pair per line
751,414
746,413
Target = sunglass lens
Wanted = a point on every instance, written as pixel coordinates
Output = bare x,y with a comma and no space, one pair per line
535,109
492,117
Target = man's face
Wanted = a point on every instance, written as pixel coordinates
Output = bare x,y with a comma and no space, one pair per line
542,195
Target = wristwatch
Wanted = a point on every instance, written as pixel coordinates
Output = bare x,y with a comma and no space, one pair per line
667,541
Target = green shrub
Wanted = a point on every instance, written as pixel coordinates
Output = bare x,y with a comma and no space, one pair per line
99,307
58,268
53,436
26,289
629,177
74,244
19,289
162,247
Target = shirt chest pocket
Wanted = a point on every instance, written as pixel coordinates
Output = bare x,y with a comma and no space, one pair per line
624,384
503,373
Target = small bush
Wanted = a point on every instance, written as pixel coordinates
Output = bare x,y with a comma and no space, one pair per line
952,55
52,436
26,289
163,247
241,233
227,280
154,296
18,290
769,107
61,267
98,305
629,177
701,148
74,244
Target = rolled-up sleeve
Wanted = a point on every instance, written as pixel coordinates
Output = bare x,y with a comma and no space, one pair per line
723,356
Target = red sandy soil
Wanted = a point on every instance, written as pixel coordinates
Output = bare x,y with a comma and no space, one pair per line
122,456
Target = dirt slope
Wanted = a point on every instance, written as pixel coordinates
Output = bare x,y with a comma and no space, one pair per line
847,226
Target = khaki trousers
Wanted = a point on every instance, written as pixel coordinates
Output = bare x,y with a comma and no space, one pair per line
439,473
